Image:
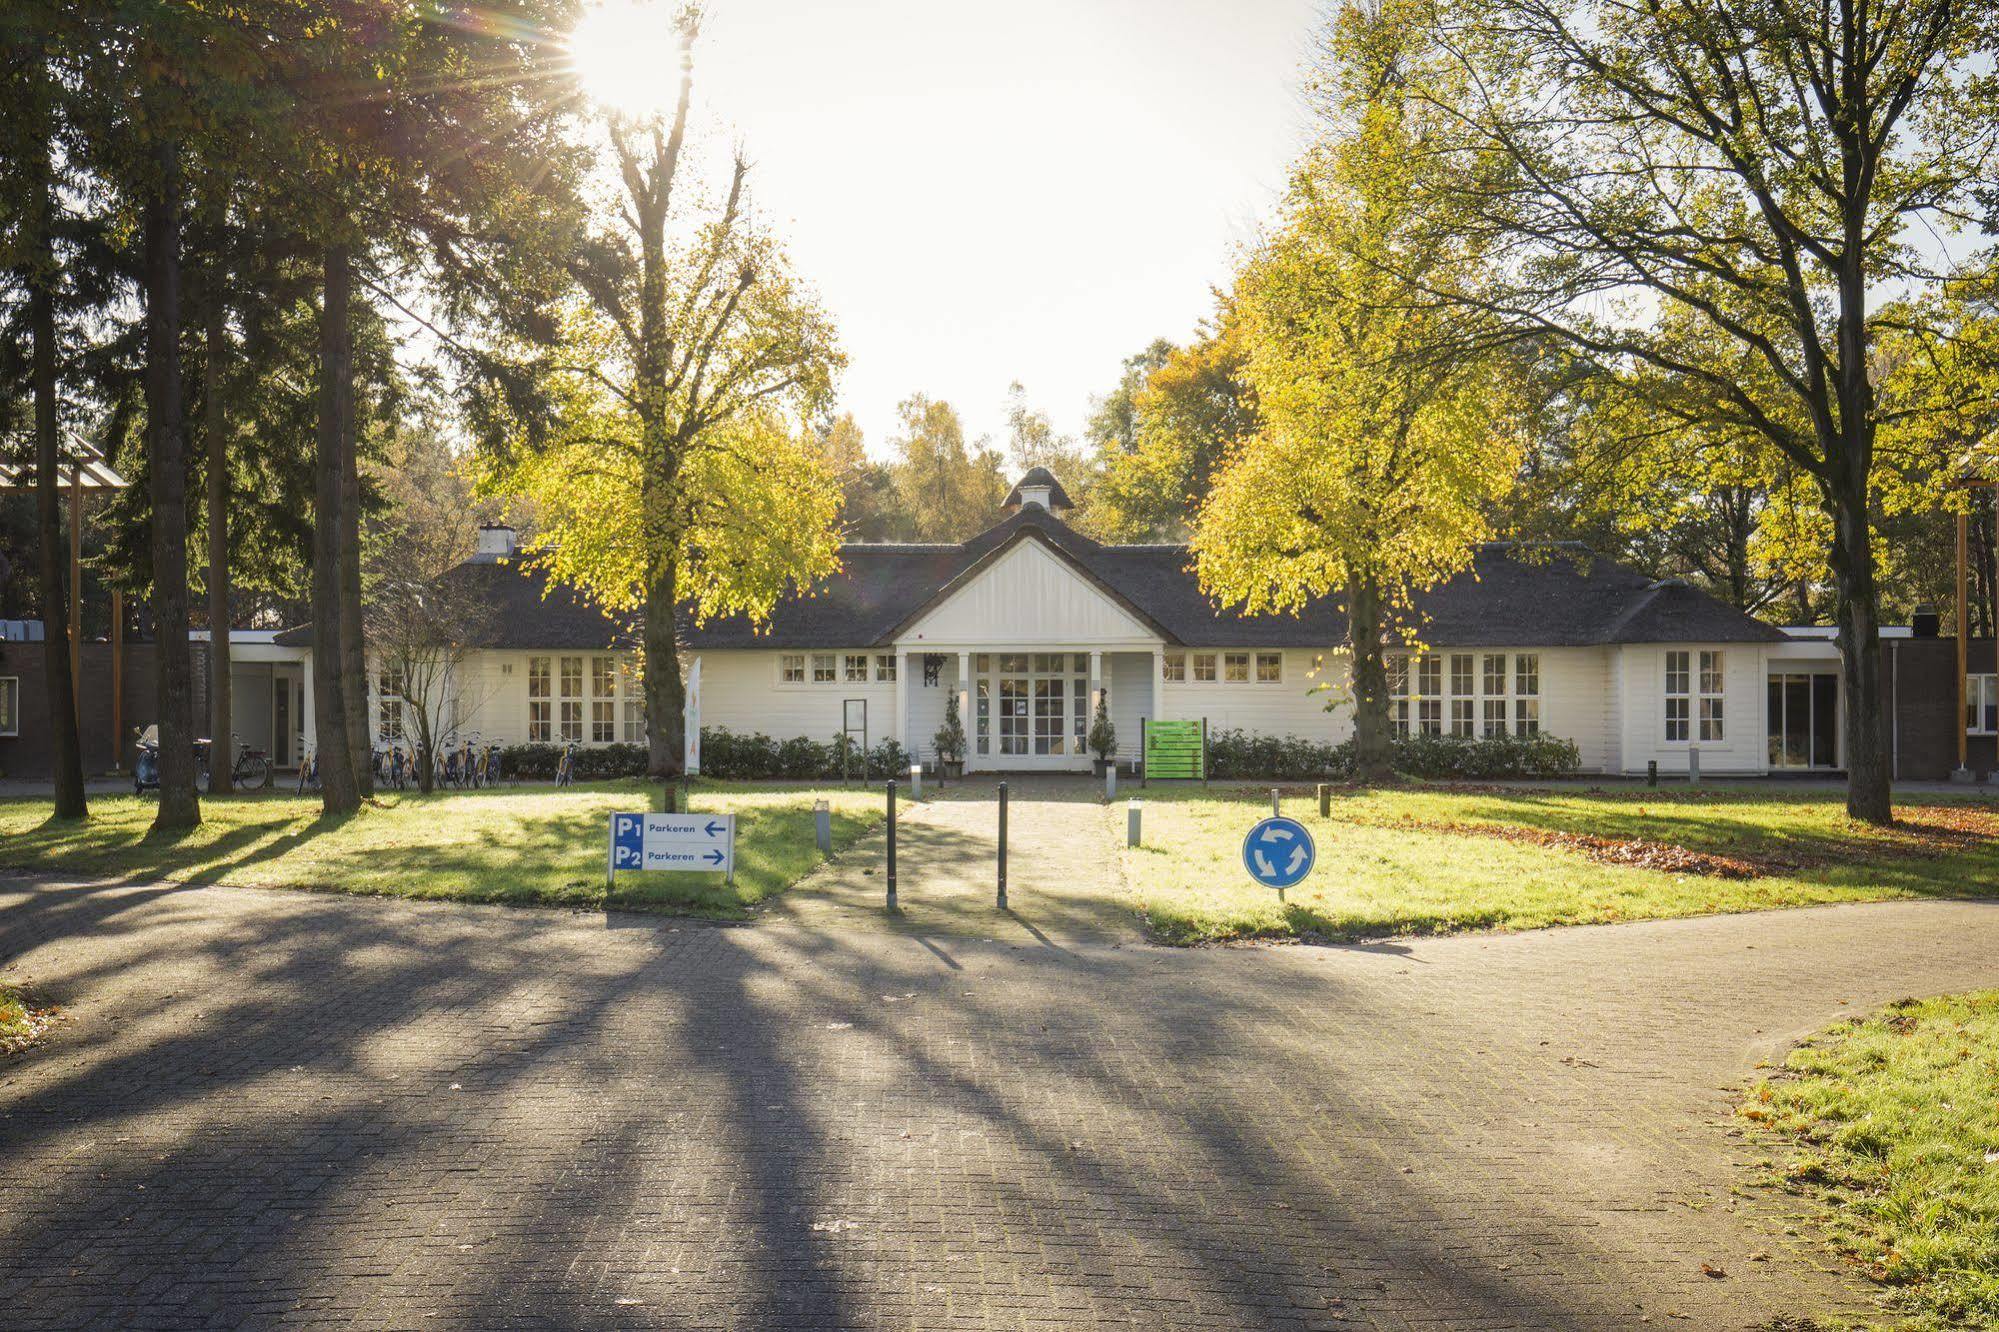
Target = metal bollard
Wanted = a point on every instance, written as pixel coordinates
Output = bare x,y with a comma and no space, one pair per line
1325,800
822,826
1693,765
1275,812
1131,823
891,844
916,781
1110,783
1002,846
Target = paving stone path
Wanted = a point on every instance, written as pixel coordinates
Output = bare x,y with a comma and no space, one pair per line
281,1108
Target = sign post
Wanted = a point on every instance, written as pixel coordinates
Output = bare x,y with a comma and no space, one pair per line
703,843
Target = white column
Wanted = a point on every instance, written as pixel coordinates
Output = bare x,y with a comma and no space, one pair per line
308,724
900,729
1158,669
1096,681
965,706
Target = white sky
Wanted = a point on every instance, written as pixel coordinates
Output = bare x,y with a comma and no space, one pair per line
1033,191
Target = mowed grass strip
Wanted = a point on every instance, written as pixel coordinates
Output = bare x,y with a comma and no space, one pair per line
1895,1121
1406,860
526,845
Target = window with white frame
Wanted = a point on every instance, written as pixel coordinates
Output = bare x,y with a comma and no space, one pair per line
1270,668
1492,695
1526,694
824,668
603,700
791,667
1679,696
1981,705
571,715
1173,667
1235,667
1204,666
10,705
857,668
633,689
1464,695
540,708
885,668
1398,693
388,708
1430,695
1712,729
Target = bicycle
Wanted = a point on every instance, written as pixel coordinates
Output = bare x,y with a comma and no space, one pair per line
565,767
308,772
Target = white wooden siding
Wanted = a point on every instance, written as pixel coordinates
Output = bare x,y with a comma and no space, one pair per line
740,689
1640,679
1293,706
1028,598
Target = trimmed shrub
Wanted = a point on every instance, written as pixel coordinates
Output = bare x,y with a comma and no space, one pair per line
1235,754
536,763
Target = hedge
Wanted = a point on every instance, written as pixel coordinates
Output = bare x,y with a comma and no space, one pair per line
1231,754
1241,754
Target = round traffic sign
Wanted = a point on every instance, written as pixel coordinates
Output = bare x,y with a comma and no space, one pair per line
1278,853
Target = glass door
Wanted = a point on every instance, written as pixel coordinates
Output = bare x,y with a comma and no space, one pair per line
1803,720
1032,708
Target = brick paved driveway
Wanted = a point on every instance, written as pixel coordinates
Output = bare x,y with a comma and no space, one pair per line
273,1107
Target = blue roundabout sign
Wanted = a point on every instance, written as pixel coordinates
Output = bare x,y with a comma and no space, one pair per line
1278,853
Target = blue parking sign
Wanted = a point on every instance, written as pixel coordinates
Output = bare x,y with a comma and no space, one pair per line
1278,853
628,841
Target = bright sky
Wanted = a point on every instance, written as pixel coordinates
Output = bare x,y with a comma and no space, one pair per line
1033,191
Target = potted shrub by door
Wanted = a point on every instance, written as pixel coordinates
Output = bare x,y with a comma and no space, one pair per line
1102,739
950,740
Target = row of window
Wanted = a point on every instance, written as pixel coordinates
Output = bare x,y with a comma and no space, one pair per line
1488,692
1234,667
835,667
615,695
10,705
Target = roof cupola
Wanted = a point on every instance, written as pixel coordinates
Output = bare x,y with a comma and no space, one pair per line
1039,487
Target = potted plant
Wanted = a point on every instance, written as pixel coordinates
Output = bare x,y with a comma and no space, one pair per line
1102,739
950,740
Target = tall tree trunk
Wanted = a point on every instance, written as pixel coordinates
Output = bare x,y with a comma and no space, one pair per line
338,793
180,805
40,279
222,742
353,643
666,691
1374,747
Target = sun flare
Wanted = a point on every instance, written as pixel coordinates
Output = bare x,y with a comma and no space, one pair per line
627,56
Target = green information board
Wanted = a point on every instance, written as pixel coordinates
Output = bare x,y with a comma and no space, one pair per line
1176,750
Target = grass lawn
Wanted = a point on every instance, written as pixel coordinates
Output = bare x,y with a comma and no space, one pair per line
1422,860
522,845
1896,1127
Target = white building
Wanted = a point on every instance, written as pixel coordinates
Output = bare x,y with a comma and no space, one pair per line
1028,622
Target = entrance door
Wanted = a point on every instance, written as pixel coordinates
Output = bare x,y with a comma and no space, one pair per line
1804,720
1031,709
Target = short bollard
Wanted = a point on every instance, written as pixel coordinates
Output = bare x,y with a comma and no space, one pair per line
822,826
916,781
1693,765
1110,782
1131,823
1325,800
1002,846
891,844
1275,812
1652,773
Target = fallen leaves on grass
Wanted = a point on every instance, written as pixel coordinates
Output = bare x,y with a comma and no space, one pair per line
1632,852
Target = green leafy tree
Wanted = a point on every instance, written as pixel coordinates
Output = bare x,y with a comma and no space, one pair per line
1386,438
946,491
868,508
1763,171
1158,455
